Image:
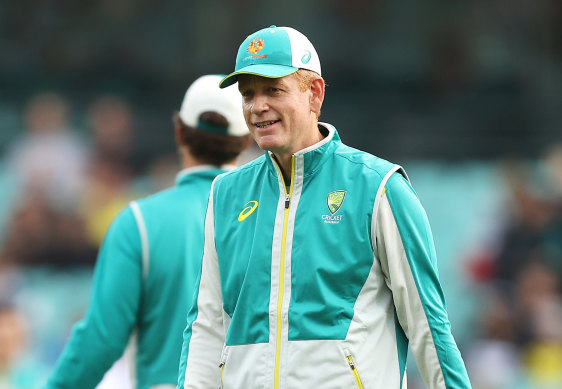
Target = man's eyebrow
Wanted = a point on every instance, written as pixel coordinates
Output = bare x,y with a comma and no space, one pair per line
277,82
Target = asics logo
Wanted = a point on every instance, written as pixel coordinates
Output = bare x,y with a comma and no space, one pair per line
250,208
306,57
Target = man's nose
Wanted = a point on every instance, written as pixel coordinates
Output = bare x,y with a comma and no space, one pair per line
260,103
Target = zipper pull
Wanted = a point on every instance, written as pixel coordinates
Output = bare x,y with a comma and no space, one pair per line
287,201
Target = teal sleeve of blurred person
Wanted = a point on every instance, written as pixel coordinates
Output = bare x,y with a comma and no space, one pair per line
101,337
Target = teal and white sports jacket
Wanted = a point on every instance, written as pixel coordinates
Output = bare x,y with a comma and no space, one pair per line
144,281
322,285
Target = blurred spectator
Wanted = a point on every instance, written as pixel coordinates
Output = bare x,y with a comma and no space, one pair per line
492,358
530,216
540,308
539,302
111,168
38,234
553,186
70,192
111,122
17,370
553,162
49,156
107,191
521,330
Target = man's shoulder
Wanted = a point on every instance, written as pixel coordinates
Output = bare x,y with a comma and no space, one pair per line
364,159
249,169
156,198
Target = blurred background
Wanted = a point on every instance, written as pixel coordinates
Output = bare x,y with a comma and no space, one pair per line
466,95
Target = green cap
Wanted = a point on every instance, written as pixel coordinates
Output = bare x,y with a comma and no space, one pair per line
274,52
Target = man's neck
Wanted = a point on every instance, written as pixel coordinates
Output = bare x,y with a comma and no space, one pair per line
189,161
285,160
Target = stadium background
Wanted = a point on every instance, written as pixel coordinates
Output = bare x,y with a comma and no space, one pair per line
467,95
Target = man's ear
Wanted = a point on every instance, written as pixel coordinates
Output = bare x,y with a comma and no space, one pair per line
317,87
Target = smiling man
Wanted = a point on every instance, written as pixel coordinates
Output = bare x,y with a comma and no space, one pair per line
319,267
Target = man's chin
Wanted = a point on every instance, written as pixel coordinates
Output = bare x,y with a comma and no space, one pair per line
268,144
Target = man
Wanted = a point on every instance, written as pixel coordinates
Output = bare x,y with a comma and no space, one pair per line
319,266
150,259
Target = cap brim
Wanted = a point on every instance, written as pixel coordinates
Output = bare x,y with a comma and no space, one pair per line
263,70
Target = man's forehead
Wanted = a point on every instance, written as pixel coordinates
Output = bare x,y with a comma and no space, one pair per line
245,80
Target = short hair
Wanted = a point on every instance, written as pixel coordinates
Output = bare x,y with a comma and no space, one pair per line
304,79
208,147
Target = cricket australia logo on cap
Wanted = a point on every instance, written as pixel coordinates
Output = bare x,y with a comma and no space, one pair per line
255,45
334,202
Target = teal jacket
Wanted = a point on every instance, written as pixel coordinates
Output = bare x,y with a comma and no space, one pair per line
323,284
144,281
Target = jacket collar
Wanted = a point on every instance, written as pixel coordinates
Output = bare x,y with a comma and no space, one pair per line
211,171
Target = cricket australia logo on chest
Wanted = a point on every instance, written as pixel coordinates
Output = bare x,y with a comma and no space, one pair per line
334,202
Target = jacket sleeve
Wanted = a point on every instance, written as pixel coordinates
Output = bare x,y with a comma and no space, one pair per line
204,335
100,338
407,254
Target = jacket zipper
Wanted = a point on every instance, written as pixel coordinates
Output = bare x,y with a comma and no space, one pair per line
353,368
222,372
282,271
221,366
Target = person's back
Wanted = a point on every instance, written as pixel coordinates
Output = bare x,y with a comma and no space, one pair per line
173,222
150,259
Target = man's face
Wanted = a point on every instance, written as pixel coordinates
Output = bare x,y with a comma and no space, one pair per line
278,113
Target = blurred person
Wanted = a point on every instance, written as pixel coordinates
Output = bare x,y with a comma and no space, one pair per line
493,358
38,234
30,222
151,256
539,301
537,294
553,186
319,267
108,189
531,224
528,217
553,162
49,156
112,164
111,120
17,370
527,263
